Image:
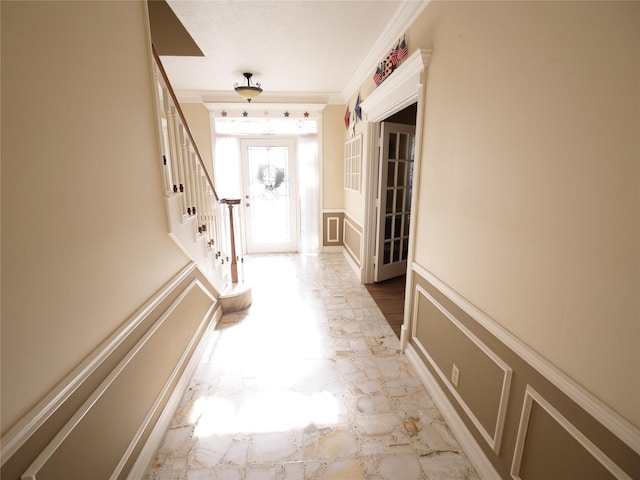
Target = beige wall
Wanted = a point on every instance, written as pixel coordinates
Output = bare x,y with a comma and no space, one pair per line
84,232
514,413
529,190
332,157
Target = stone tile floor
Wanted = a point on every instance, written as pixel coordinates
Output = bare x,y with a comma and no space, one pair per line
308,383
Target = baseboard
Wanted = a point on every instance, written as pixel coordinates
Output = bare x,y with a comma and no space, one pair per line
474,453
332,249
620,427
144,460
350,225
17,436
351,262
119,391
560,427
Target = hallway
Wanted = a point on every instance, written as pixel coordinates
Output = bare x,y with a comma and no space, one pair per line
308,383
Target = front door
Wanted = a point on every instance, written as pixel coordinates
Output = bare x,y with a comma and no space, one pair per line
395,174
270,195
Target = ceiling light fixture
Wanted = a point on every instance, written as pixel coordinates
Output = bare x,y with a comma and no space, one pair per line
248,91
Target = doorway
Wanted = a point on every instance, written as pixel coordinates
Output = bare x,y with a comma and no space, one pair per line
269,191
395,177
395,162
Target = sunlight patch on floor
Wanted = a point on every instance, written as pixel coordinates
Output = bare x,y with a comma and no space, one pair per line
270,411
308,383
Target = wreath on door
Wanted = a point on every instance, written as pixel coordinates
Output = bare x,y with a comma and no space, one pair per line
270,176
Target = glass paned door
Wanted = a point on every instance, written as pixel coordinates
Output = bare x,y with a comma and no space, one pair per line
394,193
270,195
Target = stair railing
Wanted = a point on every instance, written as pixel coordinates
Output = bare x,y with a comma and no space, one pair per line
185,173
232,229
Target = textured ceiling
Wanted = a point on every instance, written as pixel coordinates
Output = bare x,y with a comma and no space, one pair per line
308,50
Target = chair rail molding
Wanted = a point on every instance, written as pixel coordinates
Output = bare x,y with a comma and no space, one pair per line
20,433
619,426
531,397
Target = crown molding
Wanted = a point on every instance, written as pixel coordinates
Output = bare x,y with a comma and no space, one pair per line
399,90
397,26
266,98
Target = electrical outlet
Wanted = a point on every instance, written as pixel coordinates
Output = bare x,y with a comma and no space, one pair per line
455,375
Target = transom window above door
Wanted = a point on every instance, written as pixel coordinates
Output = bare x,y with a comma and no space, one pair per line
265,126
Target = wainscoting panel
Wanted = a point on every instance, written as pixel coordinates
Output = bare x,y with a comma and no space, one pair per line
353,239
96,422
517,416
536,458
484,379
332,228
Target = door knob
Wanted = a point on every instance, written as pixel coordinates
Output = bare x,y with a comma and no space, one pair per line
247,204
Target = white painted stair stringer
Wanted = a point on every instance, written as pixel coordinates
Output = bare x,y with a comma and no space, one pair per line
184,231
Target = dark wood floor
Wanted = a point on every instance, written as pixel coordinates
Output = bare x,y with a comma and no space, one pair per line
389,296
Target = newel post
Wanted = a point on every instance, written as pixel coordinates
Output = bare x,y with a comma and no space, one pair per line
234,260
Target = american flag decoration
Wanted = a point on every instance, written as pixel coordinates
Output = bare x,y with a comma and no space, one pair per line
347,118
402,50
393,56
388,67
358,110
391,62
379,75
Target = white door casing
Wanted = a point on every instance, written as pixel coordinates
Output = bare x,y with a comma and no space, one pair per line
404,87
269,180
